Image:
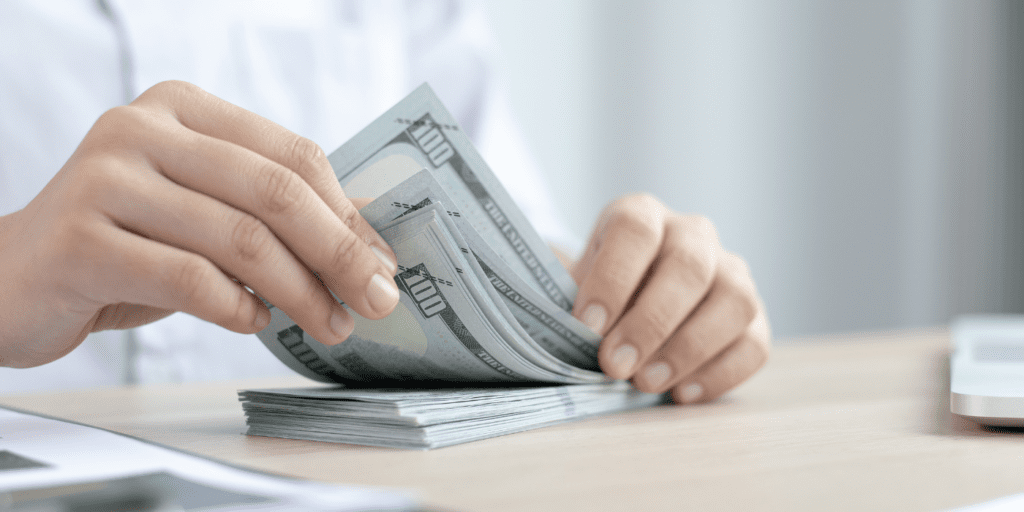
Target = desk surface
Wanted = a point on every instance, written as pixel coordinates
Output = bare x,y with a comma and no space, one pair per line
837,423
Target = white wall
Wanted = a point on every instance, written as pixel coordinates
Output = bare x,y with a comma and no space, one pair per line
550,55
860,155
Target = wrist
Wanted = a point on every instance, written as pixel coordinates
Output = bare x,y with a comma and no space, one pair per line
10,343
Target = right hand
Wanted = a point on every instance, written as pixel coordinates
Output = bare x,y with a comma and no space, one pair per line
178,202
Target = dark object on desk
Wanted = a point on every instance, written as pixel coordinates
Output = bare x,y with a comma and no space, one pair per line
10,461
987,370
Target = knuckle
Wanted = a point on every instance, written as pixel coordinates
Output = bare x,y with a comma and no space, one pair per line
306,157
640,230
615,279
640,202
116,116
251,239
189,278
349,215
95,178
694,353
741,299
98,182
114,124
648,202
122,129
112,316
691,348
641,225
344,252
739,284
693,261
651,326
701,225
168,90
279,189
737,266
166,86
315,287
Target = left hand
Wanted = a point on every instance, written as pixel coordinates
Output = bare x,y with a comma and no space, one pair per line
677,311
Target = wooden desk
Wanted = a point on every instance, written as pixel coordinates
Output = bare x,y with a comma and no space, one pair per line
843,423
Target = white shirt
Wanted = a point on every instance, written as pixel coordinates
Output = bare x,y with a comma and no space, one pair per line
321,69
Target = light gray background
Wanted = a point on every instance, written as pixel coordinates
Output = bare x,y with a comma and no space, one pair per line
865,157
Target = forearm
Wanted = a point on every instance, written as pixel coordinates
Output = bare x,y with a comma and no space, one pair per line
6,323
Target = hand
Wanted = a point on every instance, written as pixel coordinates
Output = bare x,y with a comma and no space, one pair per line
178,202
678,312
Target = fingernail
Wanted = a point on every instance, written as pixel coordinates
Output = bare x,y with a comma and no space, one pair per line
692,392
382,293
623,360
594,317
262,318
385,259
657,374
341,325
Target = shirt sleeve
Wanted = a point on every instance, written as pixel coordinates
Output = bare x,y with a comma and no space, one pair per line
451,48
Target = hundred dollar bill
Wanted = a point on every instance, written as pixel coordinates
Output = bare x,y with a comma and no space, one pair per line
482,296
436,333
482,292
541,323
420,133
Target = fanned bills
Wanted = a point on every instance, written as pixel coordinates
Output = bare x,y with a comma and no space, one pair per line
419,133
482,301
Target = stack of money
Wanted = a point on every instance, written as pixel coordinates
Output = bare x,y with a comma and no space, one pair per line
483,300
428,418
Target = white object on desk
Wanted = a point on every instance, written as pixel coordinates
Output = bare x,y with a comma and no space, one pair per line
1013,503
987,370
48,464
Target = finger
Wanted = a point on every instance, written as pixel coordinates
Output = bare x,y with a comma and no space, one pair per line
729,369
582,267
725,313
681,277
291,209
205,113
140,271
238,243
360,202
126,316
625,248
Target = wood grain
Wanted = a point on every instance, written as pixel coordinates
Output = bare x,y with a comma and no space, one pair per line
835,423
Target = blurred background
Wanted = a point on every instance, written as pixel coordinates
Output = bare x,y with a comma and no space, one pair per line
864,156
